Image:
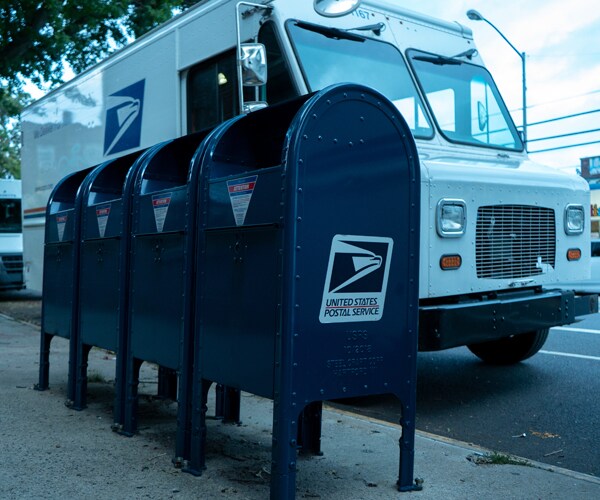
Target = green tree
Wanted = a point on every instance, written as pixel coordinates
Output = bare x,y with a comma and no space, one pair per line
10,132
38,36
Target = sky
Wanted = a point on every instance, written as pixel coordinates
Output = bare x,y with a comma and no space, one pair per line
561,40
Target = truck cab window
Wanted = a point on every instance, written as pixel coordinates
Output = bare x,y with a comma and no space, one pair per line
464,101
212,92
10,216
329,56
279,83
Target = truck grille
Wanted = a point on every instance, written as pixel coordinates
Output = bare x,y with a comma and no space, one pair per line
514,241
13,263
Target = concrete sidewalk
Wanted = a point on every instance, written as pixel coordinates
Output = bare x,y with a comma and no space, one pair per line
50,451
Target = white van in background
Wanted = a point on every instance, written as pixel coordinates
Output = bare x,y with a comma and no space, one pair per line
11,236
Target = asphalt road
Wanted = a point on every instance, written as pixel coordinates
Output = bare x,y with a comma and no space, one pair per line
546,408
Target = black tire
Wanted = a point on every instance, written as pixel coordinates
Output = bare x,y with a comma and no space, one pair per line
510,350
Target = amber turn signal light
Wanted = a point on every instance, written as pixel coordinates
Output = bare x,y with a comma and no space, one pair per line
449,262
573,254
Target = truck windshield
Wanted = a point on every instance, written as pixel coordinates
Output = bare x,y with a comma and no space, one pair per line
10,216
464,101
329,55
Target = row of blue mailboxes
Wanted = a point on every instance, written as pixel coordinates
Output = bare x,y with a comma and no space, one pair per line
276,254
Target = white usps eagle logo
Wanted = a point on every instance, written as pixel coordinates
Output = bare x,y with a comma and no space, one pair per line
356,280
123,128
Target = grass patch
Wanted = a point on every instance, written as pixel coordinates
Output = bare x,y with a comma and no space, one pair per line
496,458
96,377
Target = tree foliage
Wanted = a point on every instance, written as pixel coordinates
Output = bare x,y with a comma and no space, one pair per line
10,132
38,36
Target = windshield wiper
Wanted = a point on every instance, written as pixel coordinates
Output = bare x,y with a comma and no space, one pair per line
439,60
376,28
469,54
334,33
442,60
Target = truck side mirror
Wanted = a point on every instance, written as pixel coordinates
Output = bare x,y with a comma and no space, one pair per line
253,59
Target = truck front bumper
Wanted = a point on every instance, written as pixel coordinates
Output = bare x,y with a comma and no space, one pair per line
474,320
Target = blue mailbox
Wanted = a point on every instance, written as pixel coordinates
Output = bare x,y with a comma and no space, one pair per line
160,276
103,264
60,277
307,259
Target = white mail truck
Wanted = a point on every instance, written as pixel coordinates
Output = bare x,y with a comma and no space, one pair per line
497,230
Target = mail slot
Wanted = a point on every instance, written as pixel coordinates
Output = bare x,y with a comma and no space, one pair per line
307,259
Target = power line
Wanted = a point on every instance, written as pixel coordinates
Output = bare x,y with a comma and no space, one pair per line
564,117
565,98
554,101
564,147
569,134
565,135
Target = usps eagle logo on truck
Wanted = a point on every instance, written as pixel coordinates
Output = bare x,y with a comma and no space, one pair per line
124,119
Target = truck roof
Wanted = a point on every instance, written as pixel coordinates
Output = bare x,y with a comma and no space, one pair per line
422,19
451,27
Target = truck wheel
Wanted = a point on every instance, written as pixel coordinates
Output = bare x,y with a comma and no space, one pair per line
510,350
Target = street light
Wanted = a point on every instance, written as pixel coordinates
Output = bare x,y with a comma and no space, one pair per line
473,15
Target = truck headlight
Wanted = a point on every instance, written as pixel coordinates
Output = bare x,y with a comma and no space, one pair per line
574,219
451,218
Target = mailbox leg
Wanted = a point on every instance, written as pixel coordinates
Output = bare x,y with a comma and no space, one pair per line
167,383
283,453
309,428
227,404
197,461
406,481
72,377
183,436
219,400
79,402
120,388
131,396
45,340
